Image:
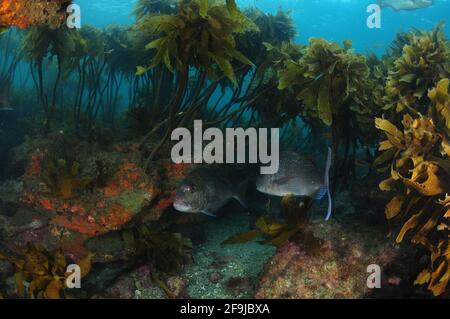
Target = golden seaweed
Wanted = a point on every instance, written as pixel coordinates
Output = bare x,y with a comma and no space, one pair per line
201,34
419,166
40,274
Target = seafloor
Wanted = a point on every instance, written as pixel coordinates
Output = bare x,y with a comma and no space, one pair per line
354,238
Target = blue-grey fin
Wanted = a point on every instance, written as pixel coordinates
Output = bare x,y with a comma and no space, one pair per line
208,213
327,182
240,195
320,193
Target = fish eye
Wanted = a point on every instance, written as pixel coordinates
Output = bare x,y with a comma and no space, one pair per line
188,188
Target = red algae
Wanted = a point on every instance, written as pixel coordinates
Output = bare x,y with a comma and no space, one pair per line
80,224
176,170
34,168
116,217
95,212
124,180
23,13
166,202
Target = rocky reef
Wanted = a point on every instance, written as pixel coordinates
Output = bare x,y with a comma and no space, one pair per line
340,269
89,178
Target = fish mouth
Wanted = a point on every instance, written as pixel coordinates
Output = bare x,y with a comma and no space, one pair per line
182,207
262,189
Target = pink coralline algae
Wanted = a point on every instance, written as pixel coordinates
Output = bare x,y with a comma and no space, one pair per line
339,270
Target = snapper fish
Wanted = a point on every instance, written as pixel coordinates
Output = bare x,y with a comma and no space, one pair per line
405,4
299,176
205,191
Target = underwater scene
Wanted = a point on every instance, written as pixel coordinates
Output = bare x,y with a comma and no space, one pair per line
224,149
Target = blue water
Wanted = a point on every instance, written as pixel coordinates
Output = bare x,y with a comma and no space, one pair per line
334,20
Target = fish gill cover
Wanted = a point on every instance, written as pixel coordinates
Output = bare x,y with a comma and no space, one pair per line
86,177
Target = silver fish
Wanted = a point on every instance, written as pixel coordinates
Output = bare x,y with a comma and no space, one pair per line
405,4
205,191
297,175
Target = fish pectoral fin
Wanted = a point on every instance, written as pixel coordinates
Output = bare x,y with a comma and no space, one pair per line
283,180
241,191
292,187
208,213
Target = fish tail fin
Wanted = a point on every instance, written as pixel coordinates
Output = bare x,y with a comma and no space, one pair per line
321,192
327,182
240,194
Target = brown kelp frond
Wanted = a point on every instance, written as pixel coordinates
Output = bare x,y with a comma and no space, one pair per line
423,62
146,7
417,156
41,274
440,111
275,107
93,42
334,88
274,29
293,227
64,179
42,42
401,39
325,73
201,34
166,251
